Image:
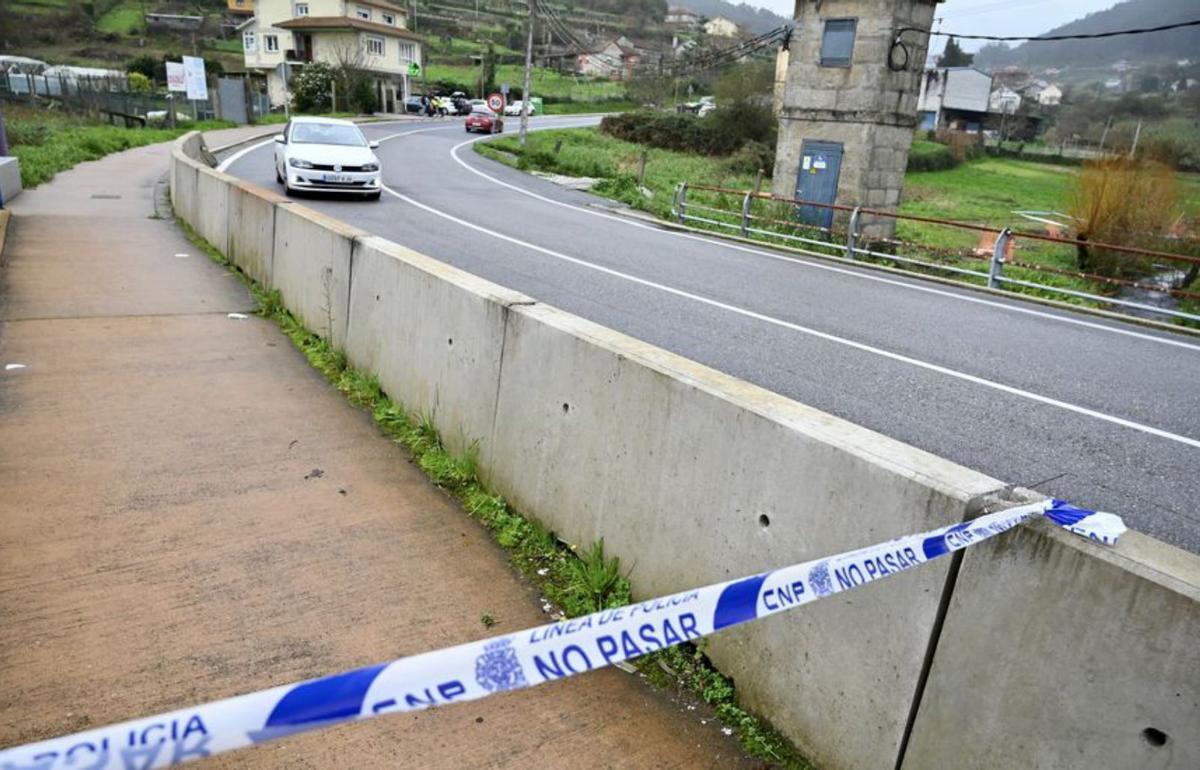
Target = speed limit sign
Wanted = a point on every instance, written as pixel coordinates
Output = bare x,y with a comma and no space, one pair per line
495,102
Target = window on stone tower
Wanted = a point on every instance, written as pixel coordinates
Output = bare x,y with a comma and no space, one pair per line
837,44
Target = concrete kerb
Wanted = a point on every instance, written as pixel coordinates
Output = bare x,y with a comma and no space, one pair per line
431,333
692,476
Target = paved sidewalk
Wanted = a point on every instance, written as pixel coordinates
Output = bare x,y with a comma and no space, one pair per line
166,537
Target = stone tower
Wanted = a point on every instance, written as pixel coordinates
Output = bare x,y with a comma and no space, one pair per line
849,105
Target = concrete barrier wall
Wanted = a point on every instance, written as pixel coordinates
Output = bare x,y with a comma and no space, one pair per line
431,333
311,269
212,209
252,230
692,476
1057,653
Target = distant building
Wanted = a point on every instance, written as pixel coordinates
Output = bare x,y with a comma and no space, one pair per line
286,35
954,97
722,27
1004,101
683,17
240,7
1114,84
616,59
846,117
1050,96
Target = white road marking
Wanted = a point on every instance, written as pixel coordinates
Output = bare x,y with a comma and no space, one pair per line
817,265
1148,429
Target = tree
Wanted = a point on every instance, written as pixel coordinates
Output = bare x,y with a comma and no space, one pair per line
355,85
954,56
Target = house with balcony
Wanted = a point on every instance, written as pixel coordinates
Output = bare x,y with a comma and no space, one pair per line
240,7
373,35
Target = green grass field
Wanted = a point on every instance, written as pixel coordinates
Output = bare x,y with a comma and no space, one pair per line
124,19
49,142
984,192
546,83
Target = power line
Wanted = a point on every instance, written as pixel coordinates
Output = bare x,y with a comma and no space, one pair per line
900,46
1048,38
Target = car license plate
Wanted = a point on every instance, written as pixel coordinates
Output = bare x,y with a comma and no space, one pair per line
338,178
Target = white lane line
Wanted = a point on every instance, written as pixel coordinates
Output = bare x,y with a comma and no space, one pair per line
809,331
234,158
817,265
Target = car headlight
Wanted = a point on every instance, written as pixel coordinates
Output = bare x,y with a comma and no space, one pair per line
297,163
370,167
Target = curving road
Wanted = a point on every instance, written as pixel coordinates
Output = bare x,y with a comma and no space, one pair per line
1102,413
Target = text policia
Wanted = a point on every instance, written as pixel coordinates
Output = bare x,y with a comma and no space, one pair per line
522,659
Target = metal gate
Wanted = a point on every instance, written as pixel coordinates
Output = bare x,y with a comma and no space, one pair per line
231,95
817,180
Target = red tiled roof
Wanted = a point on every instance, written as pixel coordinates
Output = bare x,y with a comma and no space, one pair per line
345,22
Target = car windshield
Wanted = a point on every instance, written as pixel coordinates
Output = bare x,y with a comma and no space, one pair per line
327,133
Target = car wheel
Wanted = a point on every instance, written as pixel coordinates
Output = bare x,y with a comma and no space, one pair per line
278,176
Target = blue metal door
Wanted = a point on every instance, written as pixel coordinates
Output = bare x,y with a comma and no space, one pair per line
817,180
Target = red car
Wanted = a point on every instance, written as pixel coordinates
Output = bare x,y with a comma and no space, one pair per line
484,120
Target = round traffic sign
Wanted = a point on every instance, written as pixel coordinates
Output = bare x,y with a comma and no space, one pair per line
495,102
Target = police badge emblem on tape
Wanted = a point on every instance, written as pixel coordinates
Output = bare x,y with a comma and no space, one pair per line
522,659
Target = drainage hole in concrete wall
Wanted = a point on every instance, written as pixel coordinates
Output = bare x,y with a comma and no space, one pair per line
764,520
376,297
1154,737
566,408
450,341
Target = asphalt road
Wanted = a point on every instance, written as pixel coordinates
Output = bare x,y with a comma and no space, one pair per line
1098,412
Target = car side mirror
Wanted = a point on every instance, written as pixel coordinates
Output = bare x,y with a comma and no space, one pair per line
373,145
280,139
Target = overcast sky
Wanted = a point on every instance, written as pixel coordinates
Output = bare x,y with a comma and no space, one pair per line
989,17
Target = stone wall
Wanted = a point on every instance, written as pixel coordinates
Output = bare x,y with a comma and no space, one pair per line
868,107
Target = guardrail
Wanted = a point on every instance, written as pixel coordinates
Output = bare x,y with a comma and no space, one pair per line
850,243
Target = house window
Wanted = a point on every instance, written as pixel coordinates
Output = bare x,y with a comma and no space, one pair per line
408,51
389,19
301,9
271,43
362,12
837,44
248,42
375,46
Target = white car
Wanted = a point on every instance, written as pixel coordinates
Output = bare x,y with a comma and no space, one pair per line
326,155
515,108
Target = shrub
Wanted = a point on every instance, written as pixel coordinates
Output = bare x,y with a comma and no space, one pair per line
722,133
925,155
751,157
1124,202
139,83
311,88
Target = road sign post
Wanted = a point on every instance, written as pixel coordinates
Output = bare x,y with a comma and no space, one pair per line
495,103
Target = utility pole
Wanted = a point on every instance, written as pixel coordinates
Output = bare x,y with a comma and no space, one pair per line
525,91
1136,135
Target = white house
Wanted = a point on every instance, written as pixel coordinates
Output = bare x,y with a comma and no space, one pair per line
616,59
955,96
722,27
683,17
1050,96
285,35
1004,101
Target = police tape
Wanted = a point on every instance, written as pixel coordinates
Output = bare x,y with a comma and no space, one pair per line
522,659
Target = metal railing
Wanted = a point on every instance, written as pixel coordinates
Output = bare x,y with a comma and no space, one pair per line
850,244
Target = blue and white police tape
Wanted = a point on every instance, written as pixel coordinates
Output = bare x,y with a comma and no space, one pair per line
522,659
